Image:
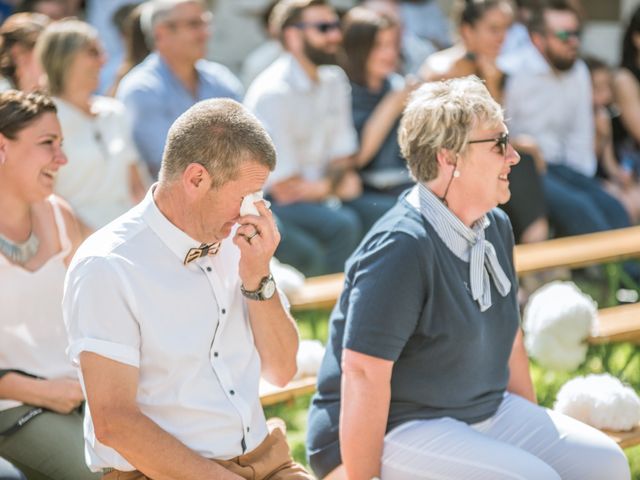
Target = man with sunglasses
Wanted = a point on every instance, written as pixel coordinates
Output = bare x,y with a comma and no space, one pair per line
548,96
304,101
175,76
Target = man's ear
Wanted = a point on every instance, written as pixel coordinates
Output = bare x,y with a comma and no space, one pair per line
292,39
537,39
196,180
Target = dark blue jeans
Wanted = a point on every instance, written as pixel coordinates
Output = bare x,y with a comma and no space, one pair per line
578,204
317,238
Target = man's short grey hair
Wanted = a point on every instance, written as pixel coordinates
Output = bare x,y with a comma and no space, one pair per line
154,12
441,115
220,134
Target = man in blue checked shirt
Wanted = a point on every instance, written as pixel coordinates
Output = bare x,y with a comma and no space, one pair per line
174,76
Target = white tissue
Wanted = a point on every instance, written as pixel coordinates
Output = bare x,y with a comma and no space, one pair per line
601,401
248,208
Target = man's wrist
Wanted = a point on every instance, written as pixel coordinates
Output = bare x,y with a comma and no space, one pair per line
264,291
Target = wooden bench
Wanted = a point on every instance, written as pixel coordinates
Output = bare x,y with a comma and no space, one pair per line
271,395
618,324
322,292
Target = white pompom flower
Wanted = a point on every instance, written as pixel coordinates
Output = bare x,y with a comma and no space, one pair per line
558,318
309,358
601,401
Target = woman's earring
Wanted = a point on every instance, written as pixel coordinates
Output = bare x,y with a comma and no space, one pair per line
456,173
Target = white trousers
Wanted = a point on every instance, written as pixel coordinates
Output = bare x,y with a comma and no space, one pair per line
522,441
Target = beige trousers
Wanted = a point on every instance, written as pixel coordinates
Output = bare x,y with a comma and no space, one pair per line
271,460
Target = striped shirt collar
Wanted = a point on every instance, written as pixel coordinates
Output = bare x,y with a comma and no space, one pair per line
468,244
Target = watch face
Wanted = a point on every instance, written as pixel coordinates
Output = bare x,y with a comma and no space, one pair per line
269,289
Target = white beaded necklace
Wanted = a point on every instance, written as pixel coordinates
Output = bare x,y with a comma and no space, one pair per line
19,253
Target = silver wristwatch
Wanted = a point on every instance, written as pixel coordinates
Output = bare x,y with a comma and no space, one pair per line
265,290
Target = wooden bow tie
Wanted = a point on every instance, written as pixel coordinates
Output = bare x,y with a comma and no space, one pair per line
201,251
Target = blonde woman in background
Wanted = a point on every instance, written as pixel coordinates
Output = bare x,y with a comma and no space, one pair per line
103,179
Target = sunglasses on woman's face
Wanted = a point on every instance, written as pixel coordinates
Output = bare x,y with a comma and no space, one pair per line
502,142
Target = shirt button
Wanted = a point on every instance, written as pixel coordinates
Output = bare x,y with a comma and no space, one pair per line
224,310
215,354
208,269
248,429
232,392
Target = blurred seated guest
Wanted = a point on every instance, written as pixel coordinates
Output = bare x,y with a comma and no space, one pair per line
378,95
446,359
19,68
548,97
425,30
135,46
38,236
174,76
54,9
627,97
263,55
303,99
415,46
106,18
482,26
103,179
620,179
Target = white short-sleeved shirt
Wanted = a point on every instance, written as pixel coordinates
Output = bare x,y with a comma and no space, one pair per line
100,151
128,297
310,122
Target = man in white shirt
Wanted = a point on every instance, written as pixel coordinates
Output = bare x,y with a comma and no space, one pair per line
172,314
304,101
548,96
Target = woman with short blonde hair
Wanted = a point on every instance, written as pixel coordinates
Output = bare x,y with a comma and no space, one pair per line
425,375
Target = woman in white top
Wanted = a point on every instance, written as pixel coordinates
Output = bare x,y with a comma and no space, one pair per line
102,180
38,235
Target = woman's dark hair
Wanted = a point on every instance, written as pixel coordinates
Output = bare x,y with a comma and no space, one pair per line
19,109
359,29
473,10
19,29
629,49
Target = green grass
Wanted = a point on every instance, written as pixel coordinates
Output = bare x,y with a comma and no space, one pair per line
620,360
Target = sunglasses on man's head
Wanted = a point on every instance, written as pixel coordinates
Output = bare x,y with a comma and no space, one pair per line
322,27
501,142
566,35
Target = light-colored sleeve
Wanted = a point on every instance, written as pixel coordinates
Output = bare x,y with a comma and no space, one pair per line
345,138
149,124
98,313
579,143
510,105
271,110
